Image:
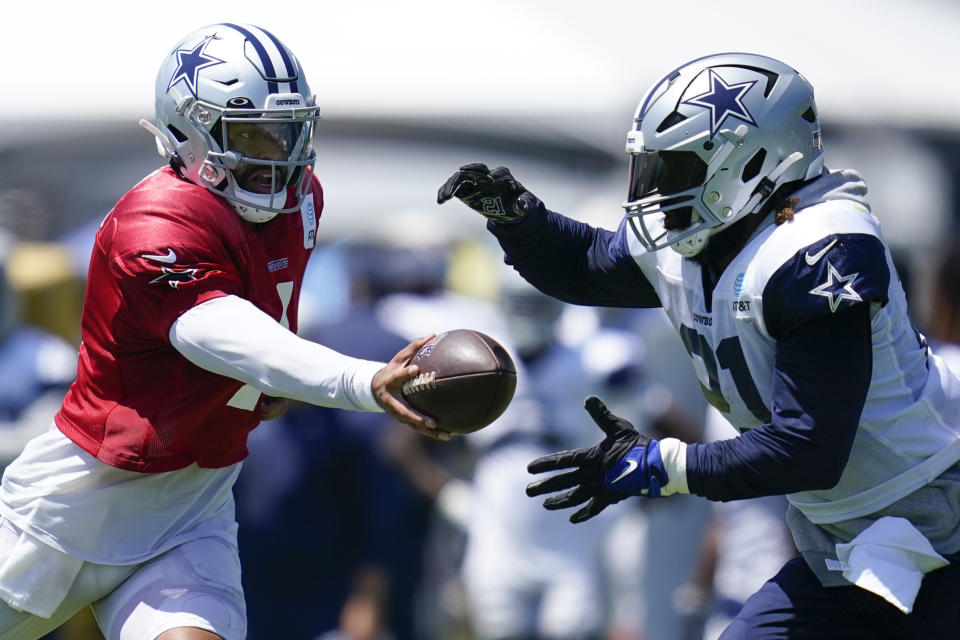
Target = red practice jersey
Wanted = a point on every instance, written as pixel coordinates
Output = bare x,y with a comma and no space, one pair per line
167,246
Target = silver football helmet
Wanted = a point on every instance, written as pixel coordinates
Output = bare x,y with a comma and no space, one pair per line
234,110
711,142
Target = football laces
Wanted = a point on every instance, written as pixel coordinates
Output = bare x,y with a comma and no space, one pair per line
422,382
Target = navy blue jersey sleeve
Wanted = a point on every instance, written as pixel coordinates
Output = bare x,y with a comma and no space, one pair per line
822,374
572,261
830,275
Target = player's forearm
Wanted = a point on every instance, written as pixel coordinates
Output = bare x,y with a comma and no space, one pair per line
572,261
232,337
816,411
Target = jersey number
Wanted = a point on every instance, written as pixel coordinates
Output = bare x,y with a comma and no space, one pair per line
248,396
728,356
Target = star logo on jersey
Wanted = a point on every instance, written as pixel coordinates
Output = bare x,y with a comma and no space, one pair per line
174,277
837,288
190,62
724,101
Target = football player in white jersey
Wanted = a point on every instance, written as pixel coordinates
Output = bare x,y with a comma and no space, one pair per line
776,276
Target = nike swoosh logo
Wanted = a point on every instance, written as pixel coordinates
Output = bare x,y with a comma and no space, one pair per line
169,258
813,259
631,467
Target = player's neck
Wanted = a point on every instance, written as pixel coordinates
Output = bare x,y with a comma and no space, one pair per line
724,246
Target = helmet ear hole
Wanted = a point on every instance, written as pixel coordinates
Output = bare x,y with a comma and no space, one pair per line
179,135
809,115
752,168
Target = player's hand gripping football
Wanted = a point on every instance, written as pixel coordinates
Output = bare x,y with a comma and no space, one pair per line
387,384
493,194
624,463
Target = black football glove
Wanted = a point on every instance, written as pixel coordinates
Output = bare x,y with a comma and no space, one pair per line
493,194
625,463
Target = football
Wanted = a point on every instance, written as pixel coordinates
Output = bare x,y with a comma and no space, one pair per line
466,380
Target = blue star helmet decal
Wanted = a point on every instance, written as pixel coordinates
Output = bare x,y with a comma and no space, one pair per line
190,62
837,288
724,101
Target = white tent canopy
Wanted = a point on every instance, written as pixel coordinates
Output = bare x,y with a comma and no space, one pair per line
879,61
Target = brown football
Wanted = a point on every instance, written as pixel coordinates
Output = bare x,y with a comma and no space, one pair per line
466,380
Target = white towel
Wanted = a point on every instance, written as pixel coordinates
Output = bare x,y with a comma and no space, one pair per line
889,558
34,577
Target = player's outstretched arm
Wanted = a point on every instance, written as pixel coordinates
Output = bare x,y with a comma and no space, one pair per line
231,337
624,463
387,385
493,194
564,258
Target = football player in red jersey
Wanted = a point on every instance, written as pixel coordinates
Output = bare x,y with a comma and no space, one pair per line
189,341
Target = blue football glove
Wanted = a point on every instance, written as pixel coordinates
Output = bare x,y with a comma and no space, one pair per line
624,463
493,194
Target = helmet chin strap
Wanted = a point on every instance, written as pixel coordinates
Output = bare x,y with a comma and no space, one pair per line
693,244
770,183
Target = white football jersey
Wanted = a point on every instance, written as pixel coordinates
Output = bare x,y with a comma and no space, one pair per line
828,258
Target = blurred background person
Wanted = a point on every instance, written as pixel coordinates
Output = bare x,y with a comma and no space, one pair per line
944,320
526,574
744,544
653,545
461,297
36,364
524,577
329,483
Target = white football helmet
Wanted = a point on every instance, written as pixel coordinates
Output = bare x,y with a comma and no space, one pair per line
234,111
711,142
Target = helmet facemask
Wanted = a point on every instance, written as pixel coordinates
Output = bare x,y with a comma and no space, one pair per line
259,161
662,187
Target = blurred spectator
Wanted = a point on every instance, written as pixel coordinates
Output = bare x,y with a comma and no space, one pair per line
744,545
327,524
420,305
49,289
527,573
36,365
653,544
40,301
945,307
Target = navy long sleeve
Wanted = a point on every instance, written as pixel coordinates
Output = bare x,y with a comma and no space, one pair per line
573,261
822,374
822,370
